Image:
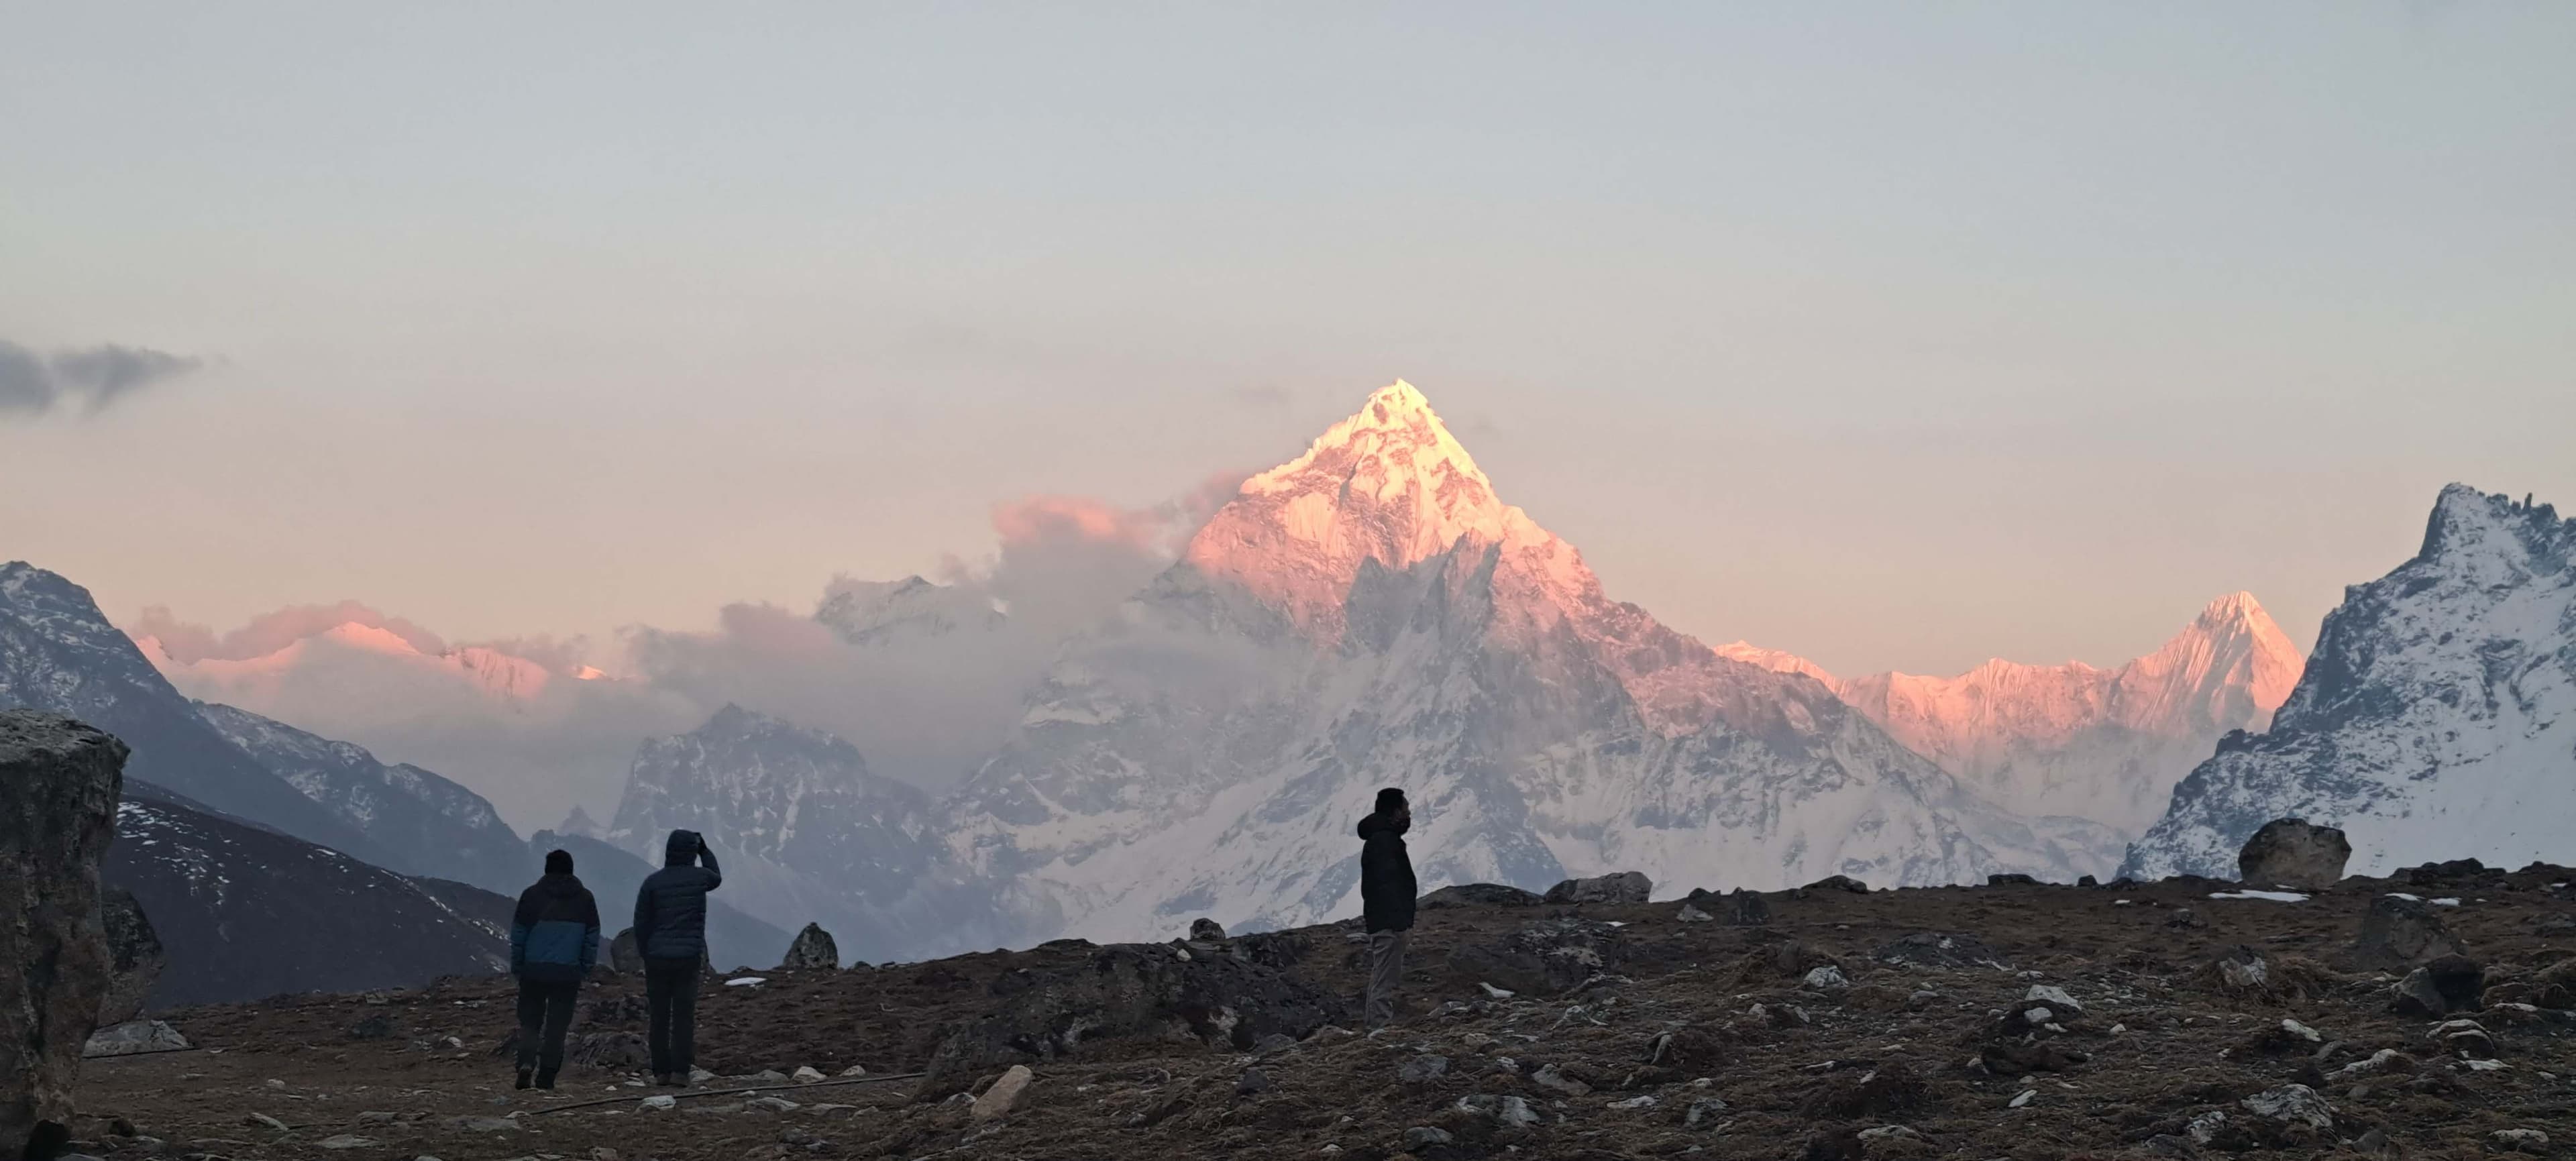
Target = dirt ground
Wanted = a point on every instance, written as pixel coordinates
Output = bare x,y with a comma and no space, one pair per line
1698,1038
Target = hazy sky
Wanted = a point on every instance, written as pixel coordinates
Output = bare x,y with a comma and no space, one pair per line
1897,335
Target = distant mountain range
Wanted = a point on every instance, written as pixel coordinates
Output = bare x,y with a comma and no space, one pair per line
2437,718
2101,744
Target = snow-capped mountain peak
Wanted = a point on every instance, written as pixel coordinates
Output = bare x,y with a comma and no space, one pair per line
1389,484
2431,721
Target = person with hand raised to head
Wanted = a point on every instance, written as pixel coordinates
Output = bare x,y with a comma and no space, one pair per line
671,935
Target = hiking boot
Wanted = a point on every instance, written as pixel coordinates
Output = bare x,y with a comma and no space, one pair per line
546,1081
524,1074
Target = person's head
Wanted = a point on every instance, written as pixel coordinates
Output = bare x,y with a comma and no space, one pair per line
682,850
1390,802
558,862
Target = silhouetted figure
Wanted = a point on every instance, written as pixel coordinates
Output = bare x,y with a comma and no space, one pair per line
671,935
1386,900
554,940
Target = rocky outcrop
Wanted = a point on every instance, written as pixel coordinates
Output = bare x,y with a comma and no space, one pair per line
134,955
1130,990
622,956
2403,929
1478,895
812,951
59,782
1624,887
2291,852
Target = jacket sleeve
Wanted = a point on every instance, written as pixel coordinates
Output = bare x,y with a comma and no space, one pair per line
519,924
589,932
644,916
707,859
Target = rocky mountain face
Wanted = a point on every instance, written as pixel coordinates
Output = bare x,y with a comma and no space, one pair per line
2436,719
244,911
911,609
804,830
1372,614
2106,745
59,653
422,823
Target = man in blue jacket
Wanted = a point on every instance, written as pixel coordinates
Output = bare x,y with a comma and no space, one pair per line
554,940
671,935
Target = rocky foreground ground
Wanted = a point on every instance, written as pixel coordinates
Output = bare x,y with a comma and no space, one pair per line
2015,1020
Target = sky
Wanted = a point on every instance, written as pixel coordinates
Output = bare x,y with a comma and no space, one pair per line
1899,336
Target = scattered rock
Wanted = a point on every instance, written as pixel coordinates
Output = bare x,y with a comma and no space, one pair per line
2385,1062
2399,929
1881,1093
806,1073
2292,853
1554,1079
2466,1039
2240,969
374,1027
1422,1069
1702,1112
610,1051
134,956
1839,883
345,1141
1004,1096
2011,879
2186,919
1623,887
1691,914
775,1104
1478,895
2450,983
2294,1104
813,950
661,1103
1747,909
2053,997
61,781
2520,1140
1509,1112
1421,1137
1937,950
1252,1082
134,1038
1825,979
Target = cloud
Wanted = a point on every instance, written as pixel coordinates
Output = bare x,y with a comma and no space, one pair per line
267,633
32,384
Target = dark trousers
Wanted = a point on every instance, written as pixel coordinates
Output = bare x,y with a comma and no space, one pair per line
671,991
545,1014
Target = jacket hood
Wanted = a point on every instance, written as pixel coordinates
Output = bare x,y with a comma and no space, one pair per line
560,883
1379,822
681,850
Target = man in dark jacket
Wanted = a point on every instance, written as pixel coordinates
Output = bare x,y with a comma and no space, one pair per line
1386,900
671,935
554,940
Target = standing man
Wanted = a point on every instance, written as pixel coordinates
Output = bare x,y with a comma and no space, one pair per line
554,940
671,935
1386,900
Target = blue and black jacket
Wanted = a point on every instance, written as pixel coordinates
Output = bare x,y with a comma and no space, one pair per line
554,938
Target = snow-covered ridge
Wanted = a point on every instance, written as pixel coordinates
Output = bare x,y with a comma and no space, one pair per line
2436,719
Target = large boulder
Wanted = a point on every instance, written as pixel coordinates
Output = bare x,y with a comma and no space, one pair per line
622,956
2404,929
134,955
59,785
1130,990
812,951
1624,887
2290,852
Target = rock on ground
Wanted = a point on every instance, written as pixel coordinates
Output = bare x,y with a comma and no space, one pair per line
1207,930
1624,887
1005,1095
622,955
134,1038
2290,852
2398,929
134,954
59,785
813,950
1478,895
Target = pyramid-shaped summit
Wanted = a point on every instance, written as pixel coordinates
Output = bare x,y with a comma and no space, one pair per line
1389,484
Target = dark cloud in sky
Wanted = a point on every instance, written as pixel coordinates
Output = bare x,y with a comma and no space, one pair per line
96,377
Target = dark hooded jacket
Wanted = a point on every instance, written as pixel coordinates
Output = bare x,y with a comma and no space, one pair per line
671,906
1386,875
554,935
